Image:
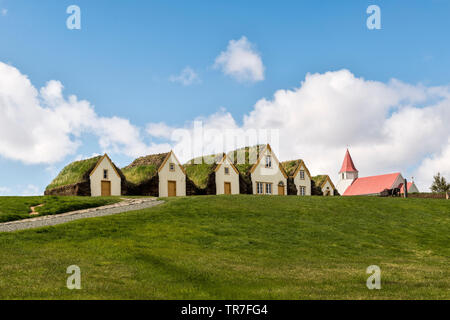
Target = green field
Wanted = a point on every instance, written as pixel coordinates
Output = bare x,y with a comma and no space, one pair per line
17,208
239,247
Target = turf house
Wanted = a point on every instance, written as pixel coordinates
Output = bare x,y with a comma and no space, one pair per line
97,176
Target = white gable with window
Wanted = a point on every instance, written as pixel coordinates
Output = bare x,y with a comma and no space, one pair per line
172,177
227,177
267,176
104,179
302,180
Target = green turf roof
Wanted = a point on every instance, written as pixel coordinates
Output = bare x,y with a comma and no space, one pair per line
75,172
144,168
320,179
291,165
199,169
245,167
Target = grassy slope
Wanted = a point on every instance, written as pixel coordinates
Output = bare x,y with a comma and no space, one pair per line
74,172
237,247
16,208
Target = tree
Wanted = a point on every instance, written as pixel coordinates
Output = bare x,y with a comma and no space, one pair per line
439,184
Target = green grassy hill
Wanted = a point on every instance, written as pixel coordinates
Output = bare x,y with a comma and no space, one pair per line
239,247
18,208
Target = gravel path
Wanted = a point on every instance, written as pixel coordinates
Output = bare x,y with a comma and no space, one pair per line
51,220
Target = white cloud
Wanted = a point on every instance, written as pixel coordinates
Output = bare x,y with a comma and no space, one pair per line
44,127
187,77
241,61
4,191
4,12
389,126
31,190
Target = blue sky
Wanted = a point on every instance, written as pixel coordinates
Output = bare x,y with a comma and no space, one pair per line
124,55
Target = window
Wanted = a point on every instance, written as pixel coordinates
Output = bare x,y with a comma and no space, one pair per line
268,188
172,167
302,175
105,174
259,188
268,162
227,170
342,175
302,190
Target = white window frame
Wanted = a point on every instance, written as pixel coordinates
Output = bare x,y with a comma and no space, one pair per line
302,174
302,190
268,161
259,188
269,188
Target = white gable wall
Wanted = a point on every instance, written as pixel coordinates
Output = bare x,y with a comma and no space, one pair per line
96,179
398,181
268,175
304,183
328,187
413,188
177,175
232,177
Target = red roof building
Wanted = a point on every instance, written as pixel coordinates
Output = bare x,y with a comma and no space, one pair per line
351,185
374,185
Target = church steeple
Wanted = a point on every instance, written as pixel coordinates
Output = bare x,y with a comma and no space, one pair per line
348,173
348,165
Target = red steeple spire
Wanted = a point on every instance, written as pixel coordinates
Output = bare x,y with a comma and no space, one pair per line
347,165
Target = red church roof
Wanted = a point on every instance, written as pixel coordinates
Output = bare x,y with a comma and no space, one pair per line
371,185
347,165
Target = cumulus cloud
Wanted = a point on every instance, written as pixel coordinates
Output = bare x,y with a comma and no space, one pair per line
389,127
187,77
241,61
44,127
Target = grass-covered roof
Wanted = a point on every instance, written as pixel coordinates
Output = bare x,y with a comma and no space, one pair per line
320,179
245,166
291,166
144,168
74,172
199,169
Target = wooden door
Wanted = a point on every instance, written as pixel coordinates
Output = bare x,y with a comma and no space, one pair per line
172,192
227,188
106,188
281,190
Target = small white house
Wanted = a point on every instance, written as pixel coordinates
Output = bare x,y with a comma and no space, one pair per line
227,177
172,177
267,175
324,183
105,179
297,170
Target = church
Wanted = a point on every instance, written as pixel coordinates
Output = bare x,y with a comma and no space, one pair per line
351,185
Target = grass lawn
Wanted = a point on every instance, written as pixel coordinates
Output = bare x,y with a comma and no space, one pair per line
239,247
17,208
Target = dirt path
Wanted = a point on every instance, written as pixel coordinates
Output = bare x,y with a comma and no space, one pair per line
33,210
52,220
